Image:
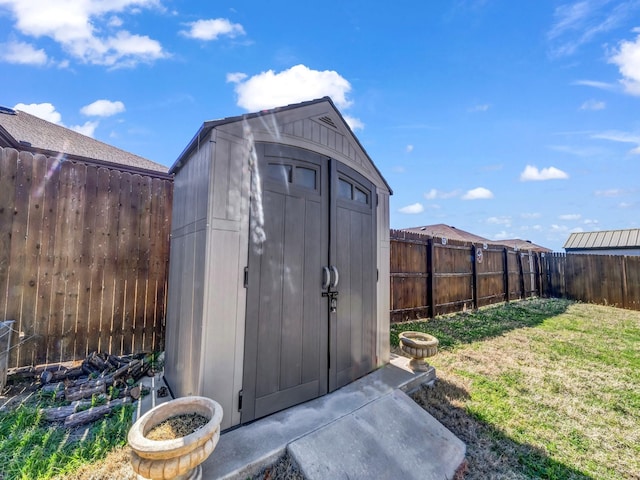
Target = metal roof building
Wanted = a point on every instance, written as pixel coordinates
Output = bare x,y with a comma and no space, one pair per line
606,242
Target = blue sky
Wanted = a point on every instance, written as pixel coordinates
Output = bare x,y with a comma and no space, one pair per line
509,119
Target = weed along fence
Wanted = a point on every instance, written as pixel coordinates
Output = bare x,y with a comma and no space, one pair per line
602,279
84,254
434,276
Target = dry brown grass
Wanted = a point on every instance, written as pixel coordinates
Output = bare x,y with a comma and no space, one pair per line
116,466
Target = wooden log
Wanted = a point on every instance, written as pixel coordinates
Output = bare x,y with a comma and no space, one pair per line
86,390
55,390
21,373
96,362
94,413
58,414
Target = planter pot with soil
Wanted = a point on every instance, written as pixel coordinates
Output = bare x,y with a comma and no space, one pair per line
419,346
159,454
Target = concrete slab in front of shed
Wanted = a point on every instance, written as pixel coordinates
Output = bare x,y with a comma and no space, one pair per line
391,437
243,452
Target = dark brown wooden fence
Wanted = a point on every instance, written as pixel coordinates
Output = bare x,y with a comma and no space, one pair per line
602,279
84,255
432,276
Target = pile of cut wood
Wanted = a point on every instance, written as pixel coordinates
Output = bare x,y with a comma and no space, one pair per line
99,384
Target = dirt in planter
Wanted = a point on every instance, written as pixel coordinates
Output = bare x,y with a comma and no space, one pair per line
178,426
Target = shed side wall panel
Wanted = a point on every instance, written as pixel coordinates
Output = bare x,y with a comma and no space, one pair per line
186,275
223,317
383,290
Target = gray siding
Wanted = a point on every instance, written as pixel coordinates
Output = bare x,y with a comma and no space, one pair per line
223,317
186,275
605,251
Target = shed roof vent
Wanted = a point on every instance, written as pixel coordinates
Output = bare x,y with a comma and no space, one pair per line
328,120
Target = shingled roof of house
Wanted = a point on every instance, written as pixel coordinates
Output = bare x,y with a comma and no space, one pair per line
23,131
452,233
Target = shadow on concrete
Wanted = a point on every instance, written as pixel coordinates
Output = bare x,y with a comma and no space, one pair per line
490,453
485,323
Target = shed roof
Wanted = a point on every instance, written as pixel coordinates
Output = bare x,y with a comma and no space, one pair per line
207,126
629,238
23,131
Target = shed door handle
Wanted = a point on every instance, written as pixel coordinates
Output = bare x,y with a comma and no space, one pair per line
326,277
336,276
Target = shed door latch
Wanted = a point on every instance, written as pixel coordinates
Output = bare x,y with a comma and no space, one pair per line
240,401
246,277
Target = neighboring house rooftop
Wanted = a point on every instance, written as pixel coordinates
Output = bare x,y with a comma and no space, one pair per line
452,233
449,232
26,132
522,245
605,239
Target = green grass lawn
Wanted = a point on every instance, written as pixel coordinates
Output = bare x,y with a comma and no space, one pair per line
31,449
541,388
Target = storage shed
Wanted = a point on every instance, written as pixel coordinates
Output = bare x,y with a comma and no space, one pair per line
279,268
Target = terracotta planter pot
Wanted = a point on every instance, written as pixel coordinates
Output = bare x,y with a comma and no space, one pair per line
178,458
419,346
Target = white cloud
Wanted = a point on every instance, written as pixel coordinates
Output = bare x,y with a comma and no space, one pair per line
595,84
299,83
622,137
87,129
85,29
612,192
625,205
593,105
212,29
502,235
480,108
479,193
46,111
409,148
236,77
570,216
589,221
531,173
354,123
530,215
102,108
433,194
627,58
506,221
412,209
22,53
580,22
398,169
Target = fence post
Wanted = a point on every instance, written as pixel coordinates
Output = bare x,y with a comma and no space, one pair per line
505,256
430,279
474,271
624,282
521,273
539,274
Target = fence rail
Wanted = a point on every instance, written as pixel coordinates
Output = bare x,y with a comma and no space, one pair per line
83,258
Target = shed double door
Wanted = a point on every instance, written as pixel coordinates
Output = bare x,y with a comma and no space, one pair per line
311,280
